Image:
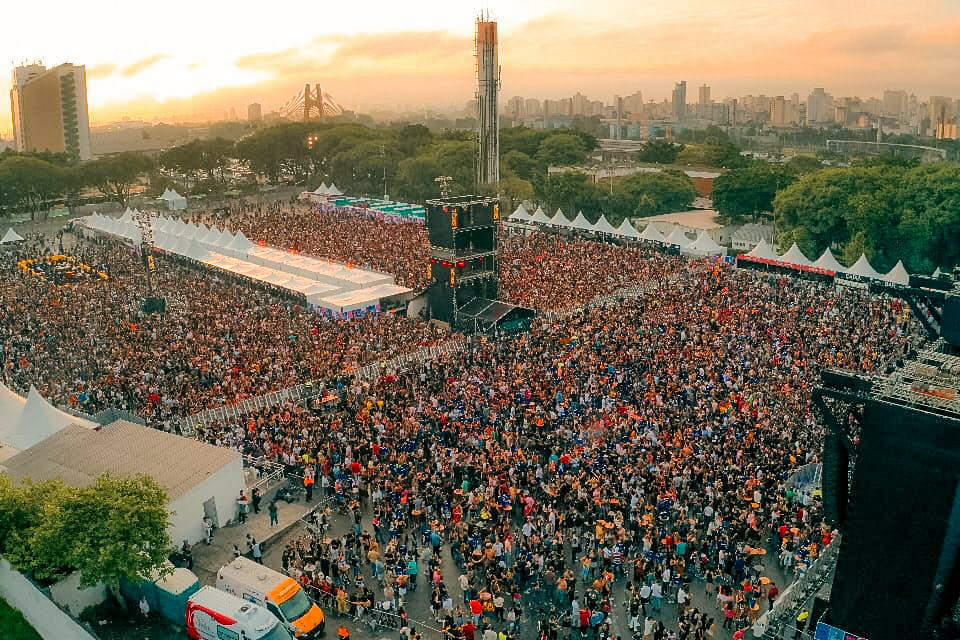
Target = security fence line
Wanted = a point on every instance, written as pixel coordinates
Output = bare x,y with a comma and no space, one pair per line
313,388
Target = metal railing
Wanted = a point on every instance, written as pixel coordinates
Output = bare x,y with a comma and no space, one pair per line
794,598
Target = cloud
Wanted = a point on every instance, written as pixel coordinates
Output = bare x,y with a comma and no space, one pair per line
145,63
101,71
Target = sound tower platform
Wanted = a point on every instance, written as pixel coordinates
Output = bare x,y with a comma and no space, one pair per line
463,271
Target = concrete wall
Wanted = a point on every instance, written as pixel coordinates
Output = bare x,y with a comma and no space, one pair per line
69,594
186,523
41,612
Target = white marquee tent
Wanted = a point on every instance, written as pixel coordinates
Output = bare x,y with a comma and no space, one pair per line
627,230
795,256
678,238
863,268
560,219
10,236
173,200
520,215
540,217
581,223
36,420
704,246
650,234
763,251
898,275
604,226
827,261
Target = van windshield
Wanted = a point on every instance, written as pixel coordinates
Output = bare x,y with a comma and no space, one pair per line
296,607
279,632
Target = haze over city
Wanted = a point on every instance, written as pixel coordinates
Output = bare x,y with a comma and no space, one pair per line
179,59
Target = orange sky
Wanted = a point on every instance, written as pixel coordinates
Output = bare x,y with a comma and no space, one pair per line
178,58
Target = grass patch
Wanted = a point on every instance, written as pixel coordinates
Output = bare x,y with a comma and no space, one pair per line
14,626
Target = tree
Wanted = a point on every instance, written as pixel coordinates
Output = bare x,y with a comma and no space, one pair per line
660,151
416,178
113,529
29,182
721,155
115,174
748,192
515,190
572,191
519,164
644,194
563,149
413,138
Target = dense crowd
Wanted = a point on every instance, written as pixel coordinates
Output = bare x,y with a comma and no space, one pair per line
637,448
89,345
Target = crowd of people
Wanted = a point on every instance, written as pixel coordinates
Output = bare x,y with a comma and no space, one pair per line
88,344
585,473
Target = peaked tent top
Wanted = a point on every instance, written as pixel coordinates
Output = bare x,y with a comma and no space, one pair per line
898,275
795,256
827,261
38,421
581,222
333,191
678,237
650,233
540,217
863,268
604,226
10,236
763,251
627,230
520,214
560,218
936,272
705,244
322,190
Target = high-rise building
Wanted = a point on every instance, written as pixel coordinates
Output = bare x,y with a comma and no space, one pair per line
532,108
634,103
254,112
819,106
515,107
778,111
580,105
704,102
895,103
49,109
680,100
488,89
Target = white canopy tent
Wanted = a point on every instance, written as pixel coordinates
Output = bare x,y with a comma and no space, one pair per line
827,261
677,237
560,219
333,190
795,256
540,217
173,200
650,234
37,421
11,236
581,223
604,226
898,275
863,268
322,190
763,251
520,215
704,246
627,230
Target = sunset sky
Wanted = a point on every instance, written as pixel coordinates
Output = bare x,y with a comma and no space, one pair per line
173,58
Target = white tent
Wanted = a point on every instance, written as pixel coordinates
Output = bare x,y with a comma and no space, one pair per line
795,256
763,251
627,230
604,226
322,190
240,245
936,272
333,191
11,406
225,238
520,215
651,234
127,216
10,236
863,268
540,217
211,236
678,238
560,219
173,200
581,222
828,262
898,275
38,421
705,246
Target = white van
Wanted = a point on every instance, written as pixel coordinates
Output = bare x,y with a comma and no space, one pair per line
215,615
281,595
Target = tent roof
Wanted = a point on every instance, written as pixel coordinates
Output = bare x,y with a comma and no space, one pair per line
677,237
827,261
560,218
11,236
38,421
704,243
11,406
581,222
520,214
650,233
240,243
795,256
627,230
936,272
540,216
322,190
604,226
863,268
763,251
333,191
898,275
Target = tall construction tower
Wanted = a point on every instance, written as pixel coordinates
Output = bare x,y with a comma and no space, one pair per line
488,89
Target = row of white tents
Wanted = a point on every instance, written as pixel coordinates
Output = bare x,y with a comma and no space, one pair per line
703,245
862,267
336,289
324,190
26,421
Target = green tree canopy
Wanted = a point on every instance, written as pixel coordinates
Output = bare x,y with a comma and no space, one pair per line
745,193
115,174
660,151
563,149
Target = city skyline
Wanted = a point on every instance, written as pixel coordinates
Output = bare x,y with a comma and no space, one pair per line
421,54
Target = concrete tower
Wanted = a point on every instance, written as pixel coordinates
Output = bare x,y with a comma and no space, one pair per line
488,88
